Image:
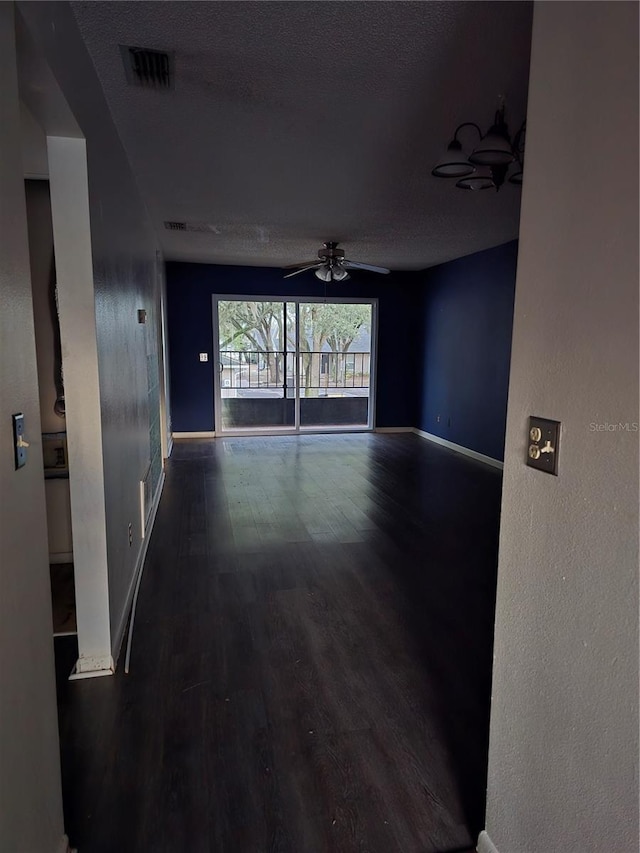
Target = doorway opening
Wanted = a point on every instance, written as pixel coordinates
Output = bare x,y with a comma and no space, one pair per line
294,364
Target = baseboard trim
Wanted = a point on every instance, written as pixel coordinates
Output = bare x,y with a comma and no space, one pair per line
458,448
393,429
97,666
132,598
94,667
60,557
485,844
64,846
169,447
142,553
209,434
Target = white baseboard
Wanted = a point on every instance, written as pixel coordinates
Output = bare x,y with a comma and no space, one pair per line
96,666
61,557
142,553
394,429
466,451
64,847
485,844
193,434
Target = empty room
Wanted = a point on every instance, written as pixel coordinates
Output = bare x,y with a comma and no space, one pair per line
319,401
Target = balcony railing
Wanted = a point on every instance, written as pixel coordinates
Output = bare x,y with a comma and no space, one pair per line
318,370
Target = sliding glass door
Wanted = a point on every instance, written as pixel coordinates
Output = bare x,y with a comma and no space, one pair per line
335,359
293,365
256,364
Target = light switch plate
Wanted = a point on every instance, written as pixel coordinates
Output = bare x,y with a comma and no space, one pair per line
19,444
543,444
204,356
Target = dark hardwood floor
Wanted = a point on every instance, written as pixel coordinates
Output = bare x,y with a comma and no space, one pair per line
311,661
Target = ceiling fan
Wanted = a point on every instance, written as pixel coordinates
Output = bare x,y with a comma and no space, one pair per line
332,265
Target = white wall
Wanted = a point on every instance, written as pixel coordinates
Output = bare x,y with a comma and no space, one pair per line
124,250
563,762
30,793
72,237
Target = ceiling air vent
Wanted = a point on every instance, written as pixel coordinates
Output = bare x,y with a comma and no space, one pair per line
175,226
150,69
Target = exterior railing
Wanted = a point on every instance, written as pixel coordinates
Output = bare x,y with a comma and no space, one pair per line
318,370
335,370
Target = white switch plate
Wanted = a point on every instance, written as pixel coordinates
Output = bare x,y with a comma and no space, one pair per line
204,356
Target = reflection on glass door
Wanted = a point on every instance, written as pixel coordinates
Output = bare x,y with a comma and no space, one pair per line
291,365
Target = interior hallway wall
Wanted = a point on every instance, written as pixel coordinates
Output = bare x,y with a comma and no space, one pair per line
30,790
563,760
124,249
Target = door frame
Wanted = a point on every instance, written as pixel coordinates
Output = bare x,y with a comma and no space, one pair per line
297,429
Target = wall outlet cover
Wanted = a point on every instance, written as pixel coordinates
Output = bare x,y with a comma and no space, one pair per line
19,444
543,444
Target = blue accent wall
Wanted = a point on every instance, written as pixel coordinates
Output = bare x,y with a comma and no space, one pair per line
465,348
190,288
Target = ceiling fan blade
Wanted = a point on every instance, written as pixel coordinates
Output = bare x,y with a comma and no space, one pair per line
302,269
354,265
301,264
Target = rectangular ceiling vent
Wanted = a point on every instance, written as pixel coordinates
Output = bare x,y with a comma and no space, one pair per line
149,69
198,227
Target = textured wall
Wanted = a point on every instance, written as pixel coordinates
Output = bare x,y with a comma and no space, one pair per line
190,320
30,792
124,256
563,762
465,348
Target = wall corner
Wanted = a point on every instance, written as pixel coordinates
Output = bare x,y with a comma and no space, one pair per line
485,844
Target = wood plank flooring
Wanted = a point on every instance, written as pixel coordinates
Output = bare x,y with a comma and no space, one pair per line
311,662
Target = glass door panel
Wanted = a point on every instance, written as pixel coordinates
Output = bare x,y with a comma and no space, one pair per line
335,363
292,364
256,365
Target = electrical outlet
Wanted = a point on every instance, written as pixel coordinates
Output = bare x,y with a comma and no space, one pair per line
130,534
19,444
543,445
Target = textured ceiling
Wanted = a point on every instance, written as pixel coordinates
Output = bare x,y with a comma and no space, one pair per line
297,122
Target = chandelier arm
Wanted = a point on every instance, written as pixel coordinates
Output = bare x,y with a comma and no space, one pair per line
467,124
518,142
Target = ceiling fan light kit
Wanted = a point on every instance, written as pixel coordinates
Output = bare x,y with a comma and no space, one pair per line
332,265
488,164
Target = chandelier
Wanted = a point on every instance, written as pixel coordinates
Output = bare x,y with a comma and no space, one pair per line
495,158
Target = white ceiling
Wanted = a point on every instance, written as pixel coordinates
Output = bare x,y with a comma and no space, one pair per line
297,122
